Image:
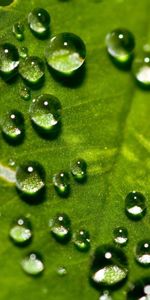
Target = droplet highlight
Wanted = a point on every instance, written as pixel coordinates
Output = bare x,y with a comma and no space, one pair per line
32,264
120,236
141,69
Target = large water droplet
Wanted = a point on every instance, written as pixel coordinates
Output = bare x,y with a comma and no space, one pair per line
120,44
9,59
135,205
39,21
142,253
25,93
141,69
18,31
65,53
32,264
60,228
120,236
81,240
79,170
109,267
21,232
30,178
140,290
61,183
32,69
45,113
13,126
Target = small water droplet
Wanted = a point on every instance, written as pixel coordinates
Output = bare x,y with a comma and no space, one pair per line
79,170
21,232
105,296
142,253
120,45
61,183
45,113
81,240
109,267
39,21
25,93
65,53
33,264
32,69
11,162
120,236
140,290
141,69
9,59
18,31
13,126
23,52
30,178
61,271
60,228
135,205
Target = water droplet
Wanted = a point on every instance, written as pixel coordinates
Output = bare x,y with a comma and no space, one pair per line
120,44
140,290
39,21
141,69
30,178
60,228
61,271
109,267
81,240
79,170
23,52
18,31
142,253
45,113
11,162
135,205
21,232
105,296
65,53
120,236
9,59
32,264
61,183
13,126
32,69
25,93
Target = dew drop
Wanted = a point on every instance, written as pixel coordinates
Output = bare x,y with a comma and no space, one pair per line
30,178
135,205
61,183
39,21
140,290
25,93
81,240
105,296
9,59
21,232
109,267
61,271
65,53
142,253
60,228
13,126
79,170
11,162
32,69
18,31
45,113
23,52
32,264
120,236
141,69
120,45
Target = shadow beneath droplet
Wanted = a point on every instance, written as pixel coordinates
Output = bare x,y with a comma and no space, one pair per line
48,135
42,36
103,287
81,180
14,141
134,217
22,244
34,86
72,81
37,199
123,66
142,86
10,78
63,195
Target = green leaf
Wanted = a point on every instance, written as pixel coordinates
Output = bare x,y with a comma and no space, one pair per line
106,122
